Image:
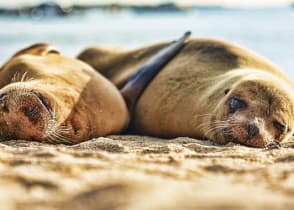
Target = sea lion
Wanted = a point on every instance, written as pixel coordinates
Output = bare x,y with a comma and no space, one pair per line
212,89
48,97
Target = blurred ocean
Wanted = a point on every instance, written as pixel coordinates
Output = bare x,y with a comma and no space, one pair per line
270,32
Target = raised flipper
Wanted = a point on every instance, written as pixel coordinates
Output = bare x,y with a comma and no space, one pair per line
139,81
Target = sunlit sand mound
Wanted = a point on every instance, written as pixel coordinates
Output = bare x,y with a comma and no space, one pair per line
141,173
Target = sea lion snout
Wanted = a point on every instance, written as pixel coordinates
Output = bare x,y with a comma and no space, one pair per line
250,132
256,134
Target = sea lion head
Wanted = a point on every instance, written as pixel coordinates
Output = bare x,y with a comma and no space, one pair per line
25,113
255,112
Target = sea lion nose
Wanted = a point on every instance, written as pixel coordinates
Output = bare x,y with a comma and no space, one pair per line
252,130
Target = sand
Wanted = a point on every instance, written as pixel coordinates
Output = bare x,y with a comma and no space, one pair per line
143,173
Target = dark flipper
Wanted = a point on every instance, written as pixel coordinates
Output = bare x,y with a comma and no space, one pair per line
137,83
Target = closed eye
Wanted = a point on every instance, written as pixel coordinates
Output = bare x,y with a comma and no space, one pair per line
236,104
3,102
44,101
279,126
33,113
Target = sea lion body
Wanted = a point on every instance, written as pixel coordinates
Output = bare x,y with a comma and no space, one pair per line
212,89
57,99
48,97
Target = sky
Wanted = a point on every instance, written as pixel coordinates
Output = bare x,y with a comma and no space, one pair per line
234,3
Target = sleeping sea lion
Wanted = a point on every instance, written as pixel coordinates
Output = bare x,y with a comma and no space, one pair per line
48,97
212,89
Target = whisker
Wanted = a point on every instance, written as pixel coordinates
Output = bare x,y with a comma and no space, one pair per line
59,139
209,128
17,77
57,134
23,77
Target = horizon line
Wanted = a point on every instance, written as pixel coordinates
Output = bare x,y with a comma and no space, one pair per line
273,4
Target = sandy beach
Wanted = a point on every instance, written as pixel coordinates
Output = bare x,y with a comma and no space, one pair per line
133,172
129,172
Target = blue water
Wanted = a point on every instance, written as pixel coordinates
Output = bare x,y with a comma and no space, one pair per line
270,32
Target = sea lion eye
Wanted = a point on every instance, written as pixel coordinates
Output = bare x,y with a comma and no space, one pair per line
3,102
32,113
44,101
281,128
236,103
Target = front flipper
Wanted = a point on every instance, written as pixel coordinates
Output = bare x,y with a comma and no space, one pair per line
138,82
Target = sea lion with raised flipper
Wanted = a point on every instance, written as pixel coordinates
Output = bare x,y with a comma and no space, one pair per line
48,97
212,89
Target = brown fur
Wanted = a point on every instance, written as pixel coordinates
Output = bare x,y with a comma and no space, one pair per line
84,104
189,97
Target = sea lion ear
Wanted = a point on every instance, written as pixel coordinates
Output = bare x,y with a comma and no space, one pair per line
38,49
